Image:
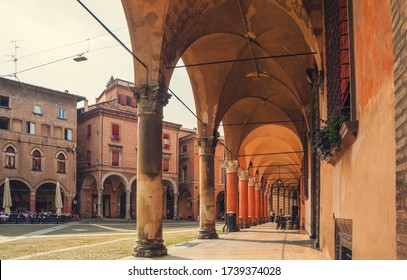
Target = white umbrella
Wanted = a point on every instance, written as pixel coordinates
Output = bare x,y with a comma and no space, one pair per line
7,203
58,199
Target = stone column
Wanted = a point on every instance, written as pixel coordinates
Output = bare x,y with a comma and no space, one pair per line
251,201
150,101
33,195
128,194
232,195
176,206
207,213
100,202
243,199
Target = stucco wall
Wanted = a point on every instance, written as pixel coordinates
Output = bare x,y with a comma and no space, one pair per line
361,186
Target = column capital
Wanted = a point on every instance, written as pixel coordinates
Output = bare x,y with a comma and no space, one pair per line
257,186
243,174
151,99
231,166
207,145
251,181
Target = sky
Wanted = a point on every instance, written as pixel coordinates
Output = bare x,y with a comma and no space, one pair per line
50,33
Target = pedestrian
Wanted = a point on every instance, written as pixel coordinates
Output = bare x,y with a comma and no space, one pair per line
272,216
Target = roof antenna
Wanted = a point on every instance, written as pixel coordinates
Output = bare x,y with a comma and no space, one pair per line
14,56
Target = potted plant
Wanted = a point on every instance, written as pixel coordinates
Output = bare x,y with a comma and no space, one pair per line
327,139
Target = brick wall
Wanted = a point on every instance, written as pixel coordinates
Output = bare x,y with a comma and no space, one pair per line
399,15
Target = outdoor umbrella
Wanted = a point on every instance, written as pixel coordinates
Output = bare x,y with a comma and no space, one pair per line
7,203
58,199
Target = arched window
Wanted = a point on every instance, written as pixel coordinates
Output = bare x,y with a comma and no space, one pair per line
36,160
10,157
61,163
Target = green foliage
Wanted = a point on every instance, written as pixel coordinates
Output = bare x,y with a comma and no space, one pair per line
327,138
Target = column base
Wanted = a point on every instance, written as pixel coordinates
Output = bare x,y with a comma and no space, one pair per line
149,251
246,225
208,234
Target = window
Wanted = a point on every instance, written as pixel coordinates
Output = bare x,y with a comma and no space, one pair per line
10,157
89,131
61,113
68,134
4,123
339,57
184,173
36,163
122,100
4,101
166,164
37,109
61,163
115,157
88,158
115,132
166,141
184,148
30,128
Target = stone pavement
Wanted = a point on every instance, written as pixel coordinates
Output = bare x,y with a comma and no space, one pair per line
262,242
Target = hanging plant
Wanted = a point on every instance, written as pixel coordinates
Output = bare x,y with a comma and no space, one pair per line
327,138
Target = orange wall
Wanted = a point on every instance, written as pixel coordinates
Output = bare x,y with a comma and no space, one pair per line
361,186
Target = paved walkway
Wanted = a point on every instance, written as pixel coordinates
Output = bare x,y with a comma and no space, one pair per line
262,242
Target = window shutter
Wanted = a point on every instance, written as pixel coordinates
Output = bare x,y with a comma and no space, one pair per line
166,164
133,102
115,158
166,141
115,131
89,130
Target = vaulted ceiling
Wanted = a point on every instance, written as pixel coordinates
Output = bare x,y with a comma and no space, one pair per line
247,62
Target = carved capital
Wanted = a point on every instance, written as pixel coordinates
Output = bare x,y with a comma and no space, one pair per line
257,186
231,166
243,174
251,181
151,99
207,145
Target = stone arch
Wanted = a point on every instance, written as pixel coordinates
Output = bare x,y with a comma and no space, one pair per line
170,199
45,195
185,205
20,193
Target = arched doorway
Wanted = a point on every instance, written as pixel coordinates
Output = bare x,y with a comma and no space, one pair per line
185,205
45,197
220,205
20,195
133,200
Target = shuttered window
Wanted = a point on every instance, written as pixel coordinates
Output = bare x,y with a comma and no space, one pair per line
115,157
166,141
166,164
115,132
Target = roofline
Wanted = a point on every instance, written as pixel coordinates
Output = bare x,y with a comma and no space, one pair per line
43,89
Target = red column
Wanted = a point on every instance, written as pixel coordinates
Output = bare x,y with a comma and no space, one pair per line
33,196
243,199
251,201
232,197
265,212
257,202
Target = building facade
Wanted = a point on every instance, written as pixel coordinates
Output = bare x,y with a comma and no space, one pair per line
38,134
189,176
107,153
